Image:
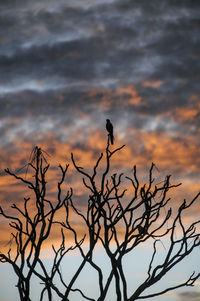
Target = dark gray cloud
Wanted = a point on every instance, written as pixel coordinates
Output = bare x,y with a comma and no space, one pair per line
105,44
53,54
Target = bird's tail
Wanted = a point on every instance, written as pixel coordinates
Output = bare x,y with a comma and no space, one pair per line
112,139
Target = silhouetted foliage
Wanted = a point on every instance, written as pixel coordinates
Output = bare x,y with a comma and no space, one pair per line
117,219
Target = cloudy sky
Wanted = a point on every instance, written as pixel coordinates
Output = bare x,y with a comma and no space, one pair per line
67,65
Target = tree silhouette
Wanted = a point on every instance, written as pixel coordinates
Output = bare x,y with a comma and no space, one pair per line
116,218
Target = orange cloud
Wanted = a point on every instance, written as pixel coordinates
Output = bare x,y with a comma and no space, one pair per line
152,84
167,152
183,114
118,96
130,90
171,155
188,113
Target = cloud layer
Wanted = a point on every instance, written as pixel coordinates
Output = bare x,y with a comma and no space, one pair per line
66,66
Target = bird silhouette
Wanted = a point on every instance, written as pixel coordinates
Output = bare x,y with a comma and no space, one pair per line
109,128
141,229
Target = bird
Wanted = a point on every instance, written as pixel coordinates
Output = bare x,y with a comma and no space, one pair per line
109,128
141,230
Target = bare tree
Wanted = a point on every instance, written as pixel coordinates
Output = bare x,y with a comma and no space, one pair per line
119,219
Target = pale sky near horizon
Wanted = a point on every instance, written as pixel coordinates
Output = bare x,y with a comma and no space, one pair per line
67,65
134,271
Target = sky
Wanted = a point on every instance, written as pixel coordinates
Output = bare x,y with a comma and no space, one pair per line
68,65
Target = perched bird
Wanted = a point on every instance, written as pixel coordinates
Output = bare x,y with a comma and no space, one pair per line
109,128
141,229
